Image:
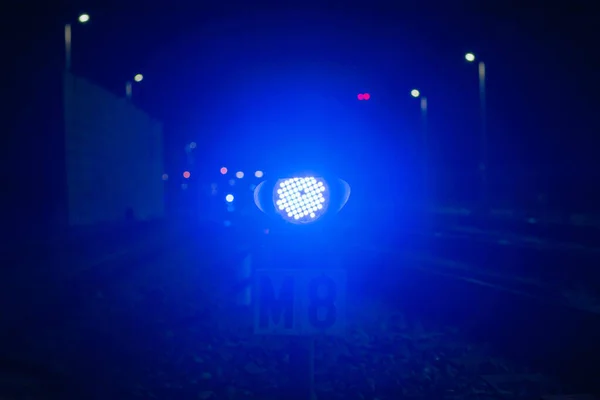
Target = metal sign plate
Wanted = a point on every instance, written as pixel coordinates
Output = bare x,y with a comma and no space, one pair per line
300,302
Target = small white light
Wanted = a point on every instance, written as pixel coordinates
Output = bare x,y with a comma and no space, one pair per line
259,174
229,198
239,174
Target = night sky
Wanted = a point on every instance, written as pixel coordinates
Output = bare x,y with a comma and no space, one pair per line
207,69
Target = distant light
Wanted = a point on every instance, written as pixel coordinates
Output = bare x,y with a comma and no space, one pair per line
229,198
184,186
470,57
227,223
83,18
223,171
213,188
186,174
415,93
231,182
165,177
230,208
193,145
239,174
363,96
258,174
138,78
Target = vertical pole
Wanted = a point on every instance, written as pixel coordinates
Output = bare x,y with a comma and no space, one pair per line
68,47
483,161
302,362
128,90
425,149
244,276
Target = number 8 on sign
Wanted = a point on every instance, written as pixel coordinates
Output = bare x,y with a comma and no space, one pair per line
322,310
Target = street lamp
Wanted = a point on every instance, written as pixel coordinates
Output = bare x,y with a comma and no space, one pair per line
129,85
82,19
470,57
417,94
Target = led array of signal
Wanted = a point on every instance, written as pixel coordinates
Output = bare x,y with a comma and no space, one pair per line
301,198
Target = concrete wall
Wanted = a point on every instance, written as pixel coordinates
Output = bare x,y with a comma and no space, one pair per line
114,156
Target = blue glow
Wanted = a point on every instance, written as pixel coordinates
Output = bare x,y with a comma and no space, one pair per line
229,198
301,200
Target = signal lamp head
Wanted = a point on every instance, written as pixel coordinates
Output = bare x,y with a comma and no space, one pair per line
302,199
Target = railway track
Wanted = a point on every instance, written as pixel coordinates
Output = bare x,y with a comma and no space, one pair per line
164,325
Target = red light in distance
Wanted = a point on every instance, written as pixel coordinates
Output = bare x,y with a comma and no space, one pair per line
363,96
186,174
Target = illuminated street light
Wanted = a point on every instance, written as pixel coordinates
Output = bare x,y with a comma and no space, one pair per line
470,57
416,94
83,18
129,86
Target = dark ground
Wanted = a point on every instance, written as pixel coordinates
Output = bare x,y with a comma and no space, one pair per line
159,322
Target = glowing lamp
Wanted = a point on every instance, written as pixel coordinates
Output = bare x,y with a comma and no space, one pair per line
302,199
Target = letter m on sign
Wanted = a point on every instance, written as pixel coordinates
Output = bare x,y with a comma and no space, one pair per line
275,308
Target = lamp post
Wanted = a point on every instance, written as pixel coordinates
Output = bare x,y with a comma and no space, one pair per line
82,19
470,57
424,107
129,85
